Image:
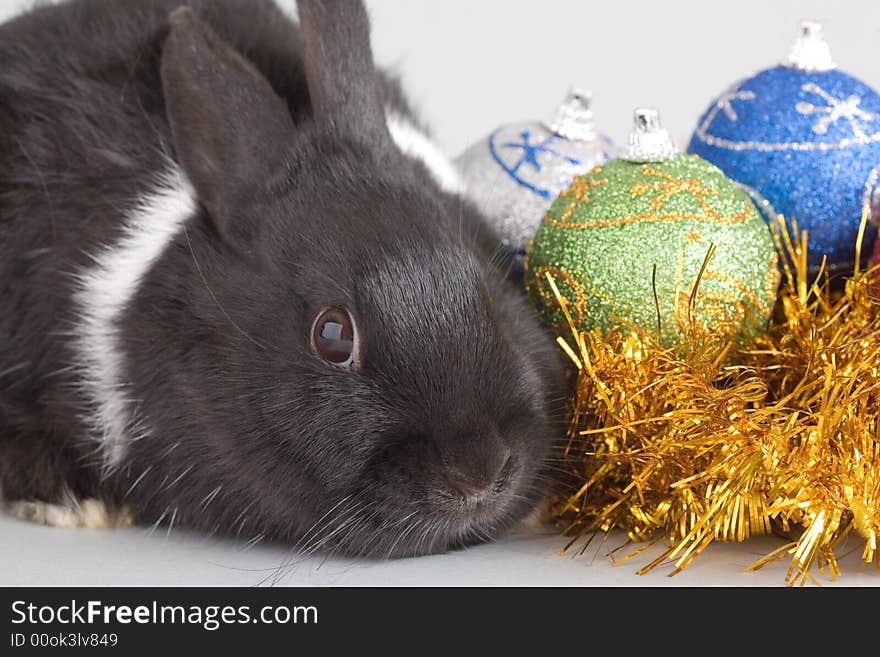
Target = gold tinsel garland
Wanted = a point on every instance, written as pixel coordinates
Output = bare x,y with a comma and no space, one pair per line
714,441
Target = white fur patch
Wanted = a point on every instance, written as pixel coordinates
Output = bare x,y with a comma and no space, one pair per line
87,514
105,291
415,143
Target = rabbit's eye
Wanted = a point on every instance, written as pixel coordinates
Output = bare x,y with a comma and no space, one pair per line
334,337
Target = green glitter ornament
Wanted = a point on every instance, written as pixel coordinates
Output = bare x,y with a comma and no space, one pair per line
627,243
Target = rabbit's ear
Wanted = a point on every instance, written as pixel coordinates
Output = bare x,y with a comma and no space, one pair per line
230,130
343,83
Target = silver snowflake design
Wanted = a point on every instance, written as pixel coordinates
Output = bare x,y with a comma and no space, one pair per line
725,102
835,110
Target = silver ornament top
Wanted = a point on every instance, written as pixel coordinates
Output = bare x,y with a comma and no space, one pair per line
574,117
810,51
649,141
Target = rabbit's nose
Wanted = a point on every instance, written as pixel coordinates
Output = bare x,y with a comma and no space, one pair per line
480,479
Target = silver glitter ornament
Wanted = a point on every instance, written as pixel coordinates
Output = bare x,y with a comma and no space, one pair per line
516,172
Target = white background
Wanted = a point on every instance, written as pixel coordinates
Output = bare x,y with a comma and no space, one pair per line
470,65
474,64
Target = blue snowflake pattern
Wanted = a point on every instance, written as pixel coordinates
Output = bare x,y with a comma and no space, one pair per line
528,156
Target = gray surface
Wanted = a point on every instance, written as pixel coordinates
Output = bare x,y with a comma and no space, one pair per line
38,556
470,66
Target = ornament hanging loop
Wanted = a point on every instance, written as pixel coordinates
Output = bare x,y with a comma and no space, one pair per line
649,141
574,117
810,52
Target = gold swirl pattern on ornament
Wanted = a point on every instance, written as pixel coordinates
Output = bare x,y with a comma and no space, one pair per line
578,192
726,279
724,308
740,217
579,304
667,187
671,187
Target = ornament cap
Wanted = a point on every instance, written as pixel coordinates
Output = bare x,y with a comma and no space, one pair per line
649,141
810,52
574,117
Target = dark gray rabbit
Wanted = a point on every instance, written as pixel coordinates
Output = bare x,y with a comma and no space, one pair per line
238,291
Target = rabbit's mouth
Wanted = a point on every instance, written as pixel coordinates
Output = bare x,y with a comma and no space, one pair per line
423,528
460,521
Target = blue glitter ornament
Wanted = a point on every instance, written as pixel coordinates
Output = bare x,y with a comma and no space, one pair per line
803,139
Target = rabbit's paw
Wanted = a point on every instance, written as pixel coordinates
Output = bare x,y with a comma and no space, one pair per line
84,514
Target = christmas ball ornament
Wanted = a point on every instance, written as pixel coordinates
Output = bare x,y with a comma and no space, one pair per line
803,138
515,173
658,240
